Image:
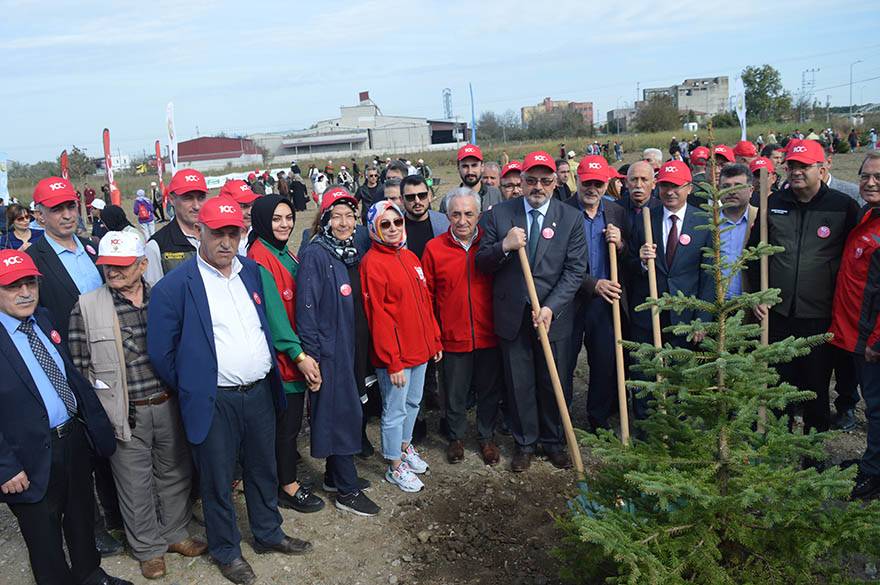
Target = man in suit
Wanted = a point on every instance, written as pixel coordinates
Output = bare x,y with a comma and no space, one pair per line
46,410
603,222
558,257
677,253
208,338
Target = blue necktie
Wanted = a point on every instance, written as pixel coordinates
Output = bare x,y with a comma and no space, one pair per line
49,366
534,234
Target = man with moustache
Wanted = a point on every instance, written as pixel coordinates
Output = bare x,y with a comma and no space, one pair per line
511,181
491,174
241,193
470,169
640,188
738,217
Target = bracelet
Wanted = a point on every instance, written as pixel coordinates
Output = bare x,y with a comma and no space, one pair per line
300,357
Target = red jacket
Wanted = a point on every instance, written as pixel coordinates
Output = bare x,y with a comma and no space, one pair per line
398,307
462,294
855,314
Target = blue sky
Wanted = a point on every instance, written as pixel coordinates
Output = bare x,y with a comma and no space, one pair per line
72,68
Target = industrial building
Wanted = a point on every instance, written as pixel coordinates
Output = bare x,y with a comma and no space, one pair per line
703,96
620,120
585,109
209,153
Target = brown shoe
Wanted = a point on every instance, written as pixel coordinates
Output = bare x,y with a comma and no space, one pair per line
559,459
153,568
521,461
455,452
491,454
189,547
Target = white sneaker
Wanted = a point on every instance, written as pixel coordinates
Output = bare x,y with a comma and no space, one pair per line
404,478
413,460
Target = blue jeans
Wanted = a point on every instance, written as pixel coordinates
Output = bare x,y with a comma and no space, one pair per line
400,406
869,379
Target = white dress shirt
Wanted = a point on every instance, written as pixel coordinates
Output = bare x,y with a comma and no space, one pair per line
243,355
667,223
543,209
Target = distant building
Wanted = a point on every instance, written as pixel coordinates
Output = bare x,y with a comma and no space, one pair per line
120,162
703,96
585,109
620,120
217,152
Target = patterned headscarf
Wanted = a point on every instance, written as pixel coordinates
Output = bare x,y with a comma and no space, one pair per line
374,217
344,250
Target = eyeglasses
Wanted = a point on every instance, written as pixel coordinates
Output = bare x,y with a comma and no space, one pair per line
422,195
511,186
385,224
545,181
865,177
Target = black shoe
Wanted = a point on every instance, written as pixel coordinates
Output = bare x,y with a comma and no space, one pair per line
303,501
845,420
358,504
108,580
367,449
330,486
106,544
239,571
867,487
420,431
287,546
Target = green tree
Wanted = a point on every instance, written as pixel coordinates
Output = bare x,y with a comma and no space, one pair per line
489,126
81,165
714,493
657,115
765,98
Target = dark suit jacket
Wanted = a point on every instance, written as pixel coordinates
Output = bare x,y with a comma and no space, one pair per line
560,265
684,275
25,443
180,342
58,292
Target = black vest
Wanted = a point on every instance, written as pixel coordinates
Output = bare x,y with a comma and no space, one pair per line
174,248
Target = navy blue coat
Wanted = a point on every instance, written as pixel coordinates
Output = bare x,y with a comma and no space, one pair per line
25,443
325,323
180,342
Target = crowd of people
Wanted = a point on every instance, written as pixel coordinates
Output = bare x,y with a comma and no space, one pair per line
160,368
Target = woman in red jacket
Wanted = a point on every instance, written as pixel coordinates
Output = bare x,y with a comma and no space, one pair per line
404,336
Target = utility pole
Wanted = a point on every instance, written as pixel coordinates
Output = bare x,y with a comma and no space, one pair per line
851,65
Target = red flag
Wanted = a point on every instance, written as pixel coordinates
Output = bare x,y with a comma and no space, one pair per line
65,165
115,195
160,169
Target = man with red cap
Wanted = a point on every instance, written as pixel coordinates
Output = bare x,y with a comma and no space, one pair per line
209,339
699,157
811,222
556,248
178,240
470,169
242,194
49,414
152,466
603,223
677,252
723,155
511,181
744,152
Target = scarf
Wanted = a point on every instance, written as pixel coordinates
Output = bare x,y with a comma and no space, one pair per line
374,217
261,220
114,218
343,250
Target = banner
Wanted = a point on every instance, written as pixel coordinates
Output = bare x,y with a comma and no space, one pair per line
115,196
65,165
160,170
4,185
739,104
172,138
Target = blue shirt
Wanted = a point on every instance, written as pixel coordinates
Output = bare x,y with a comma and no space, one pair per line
597,249
732,242
52,401
78,265
543,209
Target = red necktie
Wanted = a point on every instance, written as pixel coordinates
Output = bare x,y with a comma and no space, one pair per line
672,240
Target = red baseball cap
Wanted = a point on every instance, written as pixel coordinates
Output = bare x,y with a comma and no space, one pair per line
593,168
238,190
470,150
186,180
53,191
539,158
220,212
745,148
335,195
700,153
675,172
15,265
805,151
512,166
761,162
252,176
725,151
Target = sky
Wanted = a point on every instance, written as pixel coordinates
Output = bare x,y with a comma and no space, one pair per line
71,69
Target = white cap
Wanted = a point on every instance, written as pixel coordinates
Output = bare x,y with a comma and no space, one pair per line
99,204
120,249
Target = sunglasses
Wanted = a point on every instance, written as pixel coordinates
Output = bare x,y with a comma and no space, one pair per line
545,181
422,195
385,224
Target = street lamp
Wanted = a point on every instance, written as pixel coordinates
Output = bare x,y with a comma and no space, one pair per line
851,65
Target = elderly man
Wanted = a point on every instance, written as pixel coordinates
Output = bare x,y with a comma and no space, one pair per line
654,157
640,187
241,193
811,222
835,184
557,253
47,410
208,338
738,218
491,174
511,181
463,305
744,152
470,169
151,465
177,241
602,222
855,334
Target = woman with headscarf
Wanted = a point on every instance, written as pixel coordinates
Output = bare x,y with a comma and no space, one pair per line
272,219
333,329
405,336
299,193
114,219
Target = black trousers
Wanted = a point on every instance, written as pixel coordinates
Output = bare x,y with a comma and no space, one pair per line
594,329
811,372
67,508
109,515
478,371
342,470
534,416
846,381
287,429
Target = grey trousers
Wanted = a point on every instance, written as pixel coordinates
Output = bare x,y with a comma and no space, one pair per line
479,370
153,472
